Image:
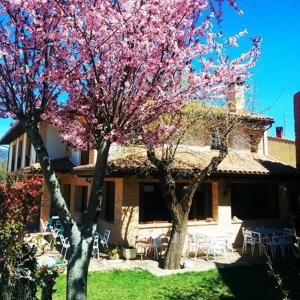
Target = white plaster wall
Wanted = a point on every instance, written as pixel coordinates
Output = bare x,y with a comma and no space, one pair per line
265,143
75,157
56,148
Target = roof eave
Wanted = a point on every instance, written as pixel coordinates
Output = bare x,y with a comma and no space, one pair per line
14,132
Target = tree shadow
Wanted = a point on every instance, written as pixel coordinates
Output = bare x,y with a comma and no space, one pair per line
126,218
256,282
246,282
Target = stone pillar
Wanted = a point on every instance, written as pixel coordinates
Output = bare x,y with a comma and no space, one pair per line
224,211
119,187
130,210
215,200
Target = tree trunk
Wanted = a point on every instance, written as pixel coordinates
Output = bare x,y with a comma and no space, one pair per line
95,199
78,265
80,250
50,177
174,251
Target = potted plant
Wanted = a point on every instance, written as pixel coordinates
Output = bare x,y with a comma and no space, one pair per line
129,252
113,253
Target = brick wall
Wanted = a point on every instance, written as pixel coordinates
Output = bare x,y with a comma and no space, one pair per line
126,225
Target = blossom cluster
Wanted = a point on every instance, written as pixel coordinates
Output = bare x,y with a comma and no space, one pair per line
121,65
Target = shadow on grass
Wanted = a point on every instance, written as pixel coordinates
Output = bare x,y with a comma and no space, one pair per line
243,283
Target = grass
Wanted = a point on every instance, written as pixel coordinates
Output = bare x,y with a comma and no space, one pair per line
251,282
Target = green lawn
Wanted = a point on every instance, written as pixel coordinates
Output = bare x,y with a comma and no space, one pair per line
228,283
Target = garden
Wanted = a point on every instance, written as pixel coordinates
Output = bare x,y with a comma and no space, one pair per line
245,282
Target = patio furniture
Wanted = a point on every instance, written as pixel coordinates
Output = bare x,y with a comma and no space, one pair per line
197,242
269,238
288,239
160,243
219,247
103,239
214,243
252,238
229,241
54,221
143,244
55,232
45,227
273,243
96,246
64,245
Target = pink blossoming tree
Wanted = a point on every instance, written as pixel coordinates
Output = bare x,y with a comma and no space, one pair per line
122,64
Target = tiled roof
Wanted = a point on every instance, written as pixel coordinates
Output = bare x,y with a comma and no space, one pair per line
59,165
280,140
134,159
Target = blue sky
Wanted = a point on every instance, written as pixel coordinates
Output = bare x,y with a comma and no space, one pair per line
276,78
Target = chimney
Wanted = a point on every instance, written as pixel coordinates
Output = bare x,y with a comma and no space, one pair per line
297,127
236,97
279,132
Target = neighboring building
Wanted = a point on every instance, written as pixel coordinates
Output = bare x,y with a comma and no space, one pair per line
248,189
282,149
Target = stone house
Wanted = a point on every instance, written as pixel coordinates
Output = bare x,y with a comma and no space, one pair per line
249,188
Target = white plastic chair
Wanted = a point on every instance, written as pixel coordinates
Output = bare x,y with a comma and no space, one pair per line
55,232
198,242
229,241
160,243
219,247
276,241
144,244
288,239
104,239
251,238
64,245
96,246
45,227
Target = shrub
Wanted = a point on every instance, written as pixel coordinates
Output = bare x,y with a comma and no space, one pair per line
18,264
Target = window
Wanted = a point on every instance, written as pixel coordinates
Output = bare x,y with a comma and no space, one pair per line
108,203
201,207
153,208
215,142
27,152
19,158
84,157
67,194
81,194
254,201
13,157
